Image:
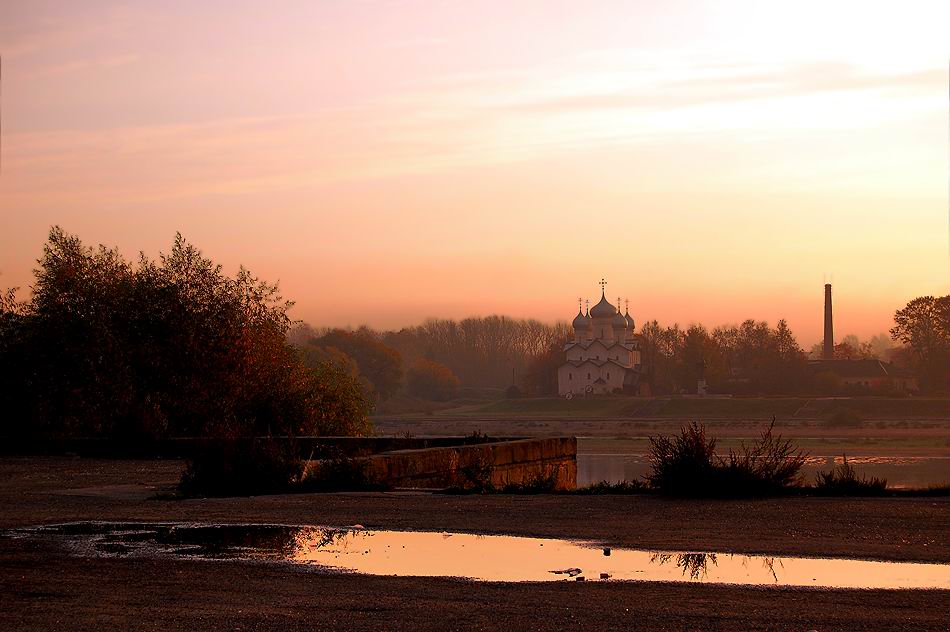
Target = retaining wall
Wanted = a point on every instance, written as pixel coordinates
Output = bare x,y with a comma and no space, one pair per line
518,462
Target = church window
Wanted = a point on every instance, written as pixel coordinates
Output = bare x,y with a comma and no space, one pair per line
588,376
608,376
570,376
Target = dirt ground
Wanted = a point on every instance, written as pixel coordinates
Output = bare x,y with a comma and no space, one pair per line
42,588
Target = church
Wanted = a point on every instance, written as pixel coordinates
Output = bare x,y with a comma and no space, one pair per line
604,356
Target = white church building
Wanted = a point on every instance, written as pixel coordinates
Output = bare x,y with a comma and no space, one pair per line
604,356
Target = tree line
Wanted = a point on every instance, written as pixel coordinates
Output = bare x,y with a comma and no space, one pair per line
522,356
174,347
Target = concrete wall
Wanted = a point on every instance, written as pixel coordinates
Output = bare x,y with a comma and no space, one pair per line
515,462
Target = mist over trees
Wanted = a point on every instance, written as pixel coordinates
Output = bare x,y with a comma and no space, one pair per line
479,351
851,347
172,347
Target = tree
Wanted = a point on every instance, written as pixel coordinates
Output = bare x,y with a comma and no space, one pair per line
161,348
540,376
431,380
480,351
378,362
924,325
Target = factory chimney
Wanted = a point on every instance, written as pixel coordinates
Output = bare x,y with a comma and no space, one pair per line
828,352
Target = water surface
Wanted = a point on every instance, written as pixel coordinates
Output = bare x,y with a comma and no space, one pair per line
477,557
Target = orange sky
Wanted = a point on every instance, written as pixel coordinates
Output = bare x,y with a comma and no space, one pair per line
389,161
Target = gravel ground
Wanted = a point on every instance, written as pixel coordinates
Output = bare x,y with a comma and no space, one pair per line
41,588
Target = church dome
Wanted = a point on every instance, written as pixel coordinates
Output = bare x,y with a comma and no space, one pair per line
619,322
603,309
630,324
580,321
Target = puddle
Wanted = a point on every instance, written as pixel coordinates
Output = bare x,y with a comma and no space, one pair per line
477,557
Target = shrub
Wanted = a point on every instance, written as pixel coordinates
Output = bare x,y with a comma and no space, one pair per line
843,480
242,468
476,477
827,383
768,466
431,380
605,488
341,473
513,392
688,465
684,464
543,481
845,418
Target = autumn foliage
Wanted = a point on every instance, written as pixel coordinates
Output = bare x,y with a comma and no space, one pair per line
167,347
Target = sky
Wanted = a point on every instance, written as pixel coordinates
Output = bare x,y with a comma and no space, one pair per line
389,161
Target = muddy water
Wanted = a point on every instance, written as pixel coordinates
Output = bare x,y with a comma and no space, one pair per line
476,557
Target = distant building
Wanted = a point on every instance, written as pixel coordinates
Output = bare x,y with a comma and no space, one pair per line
869,374
604,356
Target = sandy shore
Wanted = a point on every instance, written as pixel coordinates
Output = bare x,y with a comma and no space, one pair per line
42,588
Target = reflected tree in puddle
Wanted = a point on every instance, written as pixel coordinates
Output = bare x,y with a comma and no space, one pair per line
694,565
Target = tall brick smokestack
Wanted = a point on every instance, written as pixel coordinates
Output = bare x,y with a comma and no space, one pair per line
828,352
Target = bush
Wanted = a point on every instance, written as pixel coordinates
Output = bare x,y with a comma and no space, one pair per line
843,480
242,468
543,481
341,473
688,465
476,477
845,418
827,383
431,380
683,465
513,392
605,488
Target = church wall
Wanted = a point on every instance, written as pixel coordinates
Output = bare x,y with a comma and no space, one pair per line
571,379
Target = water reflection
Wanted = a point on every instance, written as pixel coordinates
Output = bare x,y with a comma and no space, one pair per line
694,565
477,557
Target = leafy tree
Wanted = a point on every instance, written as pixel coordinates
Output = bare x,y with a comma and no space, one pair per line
168,347
540,376
379,363
431,380
480,351
924,325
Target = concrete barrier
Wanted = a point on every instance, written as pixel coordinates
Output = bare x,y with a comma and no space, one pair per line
517,462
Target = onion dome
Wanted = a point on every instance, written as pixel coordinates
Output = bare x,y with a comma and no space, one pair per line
603,309
580,321
630,324
619,322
